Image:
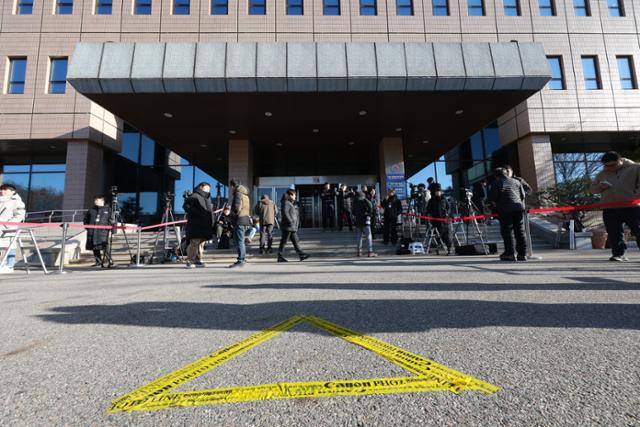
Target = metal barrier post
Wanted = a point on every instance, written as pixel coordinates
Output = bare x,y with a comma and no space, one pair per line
138,264
527,228
572,235
63,248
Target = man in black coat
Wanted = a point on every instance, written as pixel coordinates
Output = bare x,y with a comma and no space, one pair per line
438,207
199,223
328,197
345,207
289,226
507,194
392,208
98,238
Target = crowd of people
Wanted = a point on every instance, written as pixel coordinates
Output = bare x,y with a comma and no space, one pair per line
359,209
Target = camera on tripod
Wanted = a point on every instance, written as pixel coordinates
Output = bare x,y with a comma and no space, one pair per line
468,193
186,194
113,190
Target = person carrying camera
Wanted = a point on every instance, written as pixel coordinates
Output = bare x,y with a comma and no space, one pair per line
619,181
199,210
98,238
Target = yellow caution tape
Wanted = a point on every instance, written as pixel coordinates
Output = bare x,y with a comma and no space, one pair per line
431,376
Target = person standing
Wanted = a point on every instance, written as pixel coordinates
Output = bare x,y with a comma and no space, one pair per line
98,238
289,226
392,208
327,197
510,173
507,194
345,207
241,214
266,211
199,210
431,183
619,181
438,207
363,214
12,209
373,198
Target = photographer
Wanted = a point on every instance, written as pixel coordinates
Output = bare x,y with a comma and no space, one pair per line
224,228
199,223
98,238
619,181
438,207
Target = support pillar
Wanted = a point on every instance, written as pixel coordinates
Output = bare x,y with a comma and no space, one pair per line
241,162
84,176
536,161
392,167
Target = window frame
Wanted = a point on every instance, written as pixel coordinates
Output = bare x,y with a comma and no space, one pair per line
584,6
619,7
334,6
20,4
561,78
219,5
295,7
53,84
60,4
141,5
102,3
368,5
596,68
515,7
255,6
408,7
10,81
551,8
435,5
472,6
178,7
632,78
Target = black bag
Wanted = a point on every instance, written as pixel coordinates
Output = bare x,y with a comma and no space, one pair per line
477,249
224,242
403,249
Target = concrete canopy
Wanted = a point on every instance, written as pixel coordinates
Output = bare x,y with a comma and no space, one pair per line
303,99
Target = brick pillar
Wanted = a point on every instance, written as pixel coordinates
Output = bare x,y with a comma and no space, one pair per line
241,162
392,166
536,161
85,174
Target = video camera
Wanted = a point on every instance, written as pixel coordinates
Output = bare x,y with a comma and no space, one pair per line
186,194
468,193
113,190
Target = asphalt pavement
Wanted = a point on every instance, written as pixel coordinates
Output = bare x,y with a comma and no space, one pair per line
560,337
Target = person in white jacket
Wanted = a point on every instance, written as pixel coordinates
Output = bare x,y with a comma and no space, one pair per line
12,209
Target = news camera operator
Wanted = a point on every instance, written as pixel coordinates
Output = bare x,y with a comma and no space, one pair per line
199,210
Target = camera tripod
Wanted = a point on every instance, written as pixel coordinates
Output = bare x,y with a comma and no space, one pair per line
432,235
114,220
471,210
167,217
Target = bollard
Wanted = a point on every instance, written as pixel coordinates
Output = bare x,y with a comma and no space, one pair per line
63,247
139,243
527,229
572,235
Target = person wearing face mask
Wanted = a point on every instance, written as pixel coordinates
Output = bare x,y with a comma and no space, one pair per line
438,207
98,238
12,209
199,223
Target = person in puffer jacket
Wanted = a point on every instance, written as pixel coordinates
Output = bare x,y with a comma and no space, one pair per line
12,209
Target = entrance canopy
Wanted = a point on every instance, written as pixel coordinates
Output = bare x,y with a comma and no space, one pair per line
308,108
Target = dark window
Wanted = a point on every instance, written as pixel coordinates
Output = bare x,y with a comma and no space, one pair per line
440,7
257,7
58,75
142,7
181,7
219,7
404,7
331,7
24,7
557,75
581,8
627,72
104,7
295,7
547,8
591,73
475,8
17,75
368,7
615,7
64,7
511,8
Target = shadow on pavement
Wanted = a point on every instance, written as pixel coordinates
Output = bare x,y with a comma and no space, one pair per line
367,316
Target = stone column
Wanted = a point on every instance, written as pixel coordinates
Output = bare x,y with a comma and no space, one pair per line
84,176
241,162
392,166
536,161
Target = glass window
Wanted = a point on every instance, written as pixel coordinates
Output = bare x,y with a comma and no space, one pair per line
15,168
219,7
185,183
181,7
17,75
46,192
615,7
557,75
581,8
404,7
511,8
491,136
295,7
58,167
440,7
104,7
64,7
475,8
475,142
148,203
147,151
24,7
331,7
591,73
257,7
20,181
130,146
142,7
368,7
626,72
547,7
58,75
128,207
569,166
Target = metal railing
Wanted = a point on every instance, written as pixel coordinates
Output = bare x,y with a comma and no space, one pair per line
69,215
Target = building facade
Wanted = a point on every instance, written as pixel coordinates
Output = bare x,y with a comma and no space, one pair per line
61,147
